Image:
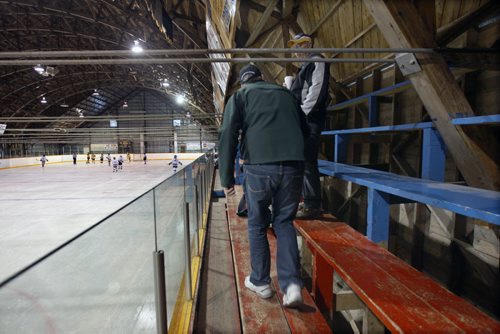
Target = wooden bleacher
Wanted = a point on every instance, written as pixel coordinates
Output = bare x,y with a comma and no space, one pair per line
403,299
388,188
472,202
266,315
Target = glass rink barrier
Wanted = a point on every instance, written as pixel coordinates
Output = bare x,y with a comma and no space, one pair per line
124,274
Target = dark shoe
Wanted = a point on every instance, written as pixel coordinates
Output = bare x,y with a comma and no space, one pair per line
308,213
243,213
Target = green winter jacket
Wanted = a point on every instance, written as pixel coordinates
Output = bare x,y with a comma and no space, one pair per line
272,124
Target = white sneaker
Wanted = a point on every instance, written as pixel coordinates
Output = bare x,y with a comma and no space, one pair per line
263,291
293,296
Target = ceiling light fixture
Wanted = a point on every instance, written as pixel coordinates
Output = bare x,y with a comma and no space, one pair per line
125,104
95,93
165,83
137,48
43,100
64,105
179,99
39,69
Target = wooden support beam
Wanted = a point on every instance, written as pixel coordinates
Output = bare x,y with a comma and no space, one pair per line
427,10
287,8
325,17
358,36
258,7
286,11
454,29
402,27
271,4
477,61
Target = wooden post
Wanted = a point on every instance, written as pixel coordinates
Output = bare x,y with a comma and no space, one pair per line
322,283
402,27
377,217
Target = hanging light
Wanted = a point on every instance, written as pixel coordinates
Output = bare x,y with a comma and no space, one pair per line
165,83
125,104
188,114
137,48
64,105
39,69
179,99
95,93
43,100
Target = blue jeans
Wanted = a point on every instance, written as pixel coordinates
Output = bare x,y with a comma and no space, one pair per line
311,191
278,184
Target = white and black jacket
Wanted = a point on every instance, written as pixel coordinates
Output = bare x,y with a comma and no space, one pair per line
310,87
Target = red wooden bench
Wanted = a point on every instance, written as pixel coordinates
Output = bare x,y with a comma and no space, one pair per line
266,315
399,296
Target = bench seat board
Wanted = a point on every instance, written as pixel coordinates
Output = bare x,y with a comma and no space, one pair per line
469,201
404,299
305,319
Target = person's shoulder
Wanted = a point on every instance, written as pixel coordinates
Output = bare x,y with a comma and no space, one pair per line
317,55
271,85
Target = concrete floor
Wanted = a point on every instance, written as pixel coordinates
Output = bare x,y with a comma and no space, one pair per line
103,281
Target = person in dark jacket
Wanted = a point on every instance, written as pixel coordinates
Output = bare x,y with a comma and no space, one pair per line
310,87
273,129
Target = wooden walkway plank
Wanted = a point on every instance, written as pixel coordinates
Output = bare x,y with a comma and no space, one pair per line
217,308
257,315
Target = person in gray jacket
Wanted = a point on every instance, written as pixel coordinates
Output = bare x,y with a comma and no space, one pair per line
310,87
273,129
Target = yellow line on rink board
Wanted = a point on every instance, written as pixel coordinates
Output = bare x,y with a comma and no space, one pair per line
183,310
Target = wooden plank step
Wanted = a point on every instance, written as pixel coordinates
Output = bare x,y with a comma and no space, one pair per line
266,315
257,315
404,299
217,308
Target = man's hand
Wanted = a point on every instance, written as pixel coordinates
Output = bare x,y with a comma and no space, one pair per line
229,191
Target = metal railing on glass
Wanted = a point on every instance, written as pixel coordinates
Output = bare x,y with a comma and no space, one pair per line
102,280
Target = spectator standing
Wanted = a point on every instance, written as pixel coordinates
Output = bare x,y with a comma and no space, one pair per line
272,146
310,87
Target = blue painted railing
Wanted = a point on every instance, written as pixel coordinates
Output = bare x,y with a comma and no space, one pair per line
468,201
384,187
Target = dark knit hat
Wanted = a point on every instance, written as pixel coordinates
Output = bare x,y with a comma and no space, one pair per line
249,72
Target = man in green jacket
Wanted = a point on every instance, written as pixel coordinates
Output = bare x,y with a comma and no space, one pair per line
273,128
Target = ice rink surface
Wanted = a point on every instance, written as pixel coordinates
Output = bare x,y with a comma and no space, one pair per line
40,208
102,282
